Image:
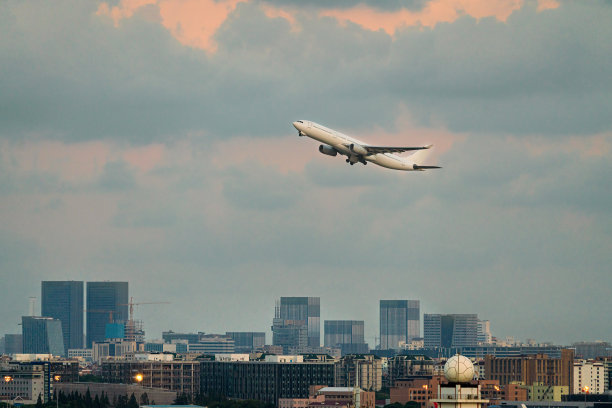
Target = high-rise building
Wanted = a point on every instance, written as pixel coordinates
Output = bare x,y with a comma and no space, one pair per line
450,330
42,335
348,335
13,344
63,300
107,302
400,322
291,314
484,332
247,341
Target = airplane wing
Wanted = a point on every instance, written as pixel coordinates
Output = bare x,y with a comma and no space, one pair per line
389,149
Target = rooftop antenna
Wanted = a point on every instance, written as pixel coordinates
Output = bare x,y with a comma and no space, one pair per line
32,300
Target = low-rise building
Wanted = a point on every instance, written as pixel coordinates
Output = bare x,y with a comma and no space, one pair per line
178,376
25,382
359,370
265,380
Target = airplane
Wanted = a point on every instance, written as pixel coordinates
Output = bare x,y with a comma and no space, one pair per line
358,151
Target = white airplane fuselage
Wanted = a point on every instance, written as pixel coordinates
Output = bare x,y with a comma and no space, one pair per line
341,143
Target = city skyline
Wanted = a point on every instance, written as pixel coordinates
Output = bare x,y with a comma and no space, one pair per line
152,142
295,307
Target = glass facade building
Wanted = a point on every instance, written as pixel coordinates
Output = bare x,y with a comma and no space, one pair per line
63,300
339,332
400,322
103,300
302,309
247,341
450,330
42,335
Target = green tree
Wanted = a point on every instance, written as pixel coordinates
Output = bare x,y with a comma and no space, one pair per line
132,403
144,399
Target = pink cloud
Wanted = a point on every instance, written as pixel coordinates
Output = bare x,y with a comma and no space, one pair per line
192,22
436,11
145,158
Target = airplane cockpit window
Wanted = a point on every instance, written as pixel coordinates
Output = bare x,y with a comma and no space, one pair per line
299,121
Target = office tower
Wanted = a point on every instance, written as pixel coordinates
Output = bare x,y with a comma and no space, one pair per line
291,314
399,322
347,335
450,330
247,341
13,344
172,337
107,302
42,335
63,300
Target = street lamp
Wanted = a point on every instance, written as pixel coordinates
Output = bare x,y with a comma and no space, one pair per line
138,377
56,378
585,389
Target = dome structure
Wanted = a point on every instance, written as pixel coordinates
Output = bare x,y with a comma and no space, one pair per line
459,369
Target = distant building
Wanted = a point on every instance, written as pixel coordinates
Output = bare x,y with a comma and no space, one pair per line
289,334
593,349
417,389
107,302
332,397
112,348
13,344
348,335
179,376
171,337
402,367
247,341
212,344
264,380
484,332
589,374
450,330
400,322
42,335
294,314
362,371
63,300
81,354
530,370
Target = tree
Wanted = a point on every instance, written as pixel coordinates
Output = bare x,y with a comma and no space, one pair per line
144,399
132,403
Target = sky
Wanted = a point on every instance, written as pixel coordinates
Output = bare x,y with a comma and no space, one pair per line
150,141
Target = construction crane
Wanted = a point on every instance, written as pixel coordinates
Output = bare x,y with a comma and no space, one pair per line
110,313
133,329
131,304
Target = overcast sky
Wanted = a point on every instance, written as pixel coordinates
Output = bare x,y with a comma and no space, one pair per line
151,141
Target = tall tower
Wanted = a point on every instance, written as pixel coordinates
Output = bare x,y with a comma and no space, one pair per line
42,335
399,322
450,330
294,317
63,300
105,299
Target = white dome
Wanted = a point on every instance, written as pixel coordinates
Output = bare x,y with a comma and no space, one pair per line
459,369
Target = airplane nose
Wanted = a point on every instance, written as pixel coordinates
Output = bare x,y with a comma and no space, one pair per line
295,125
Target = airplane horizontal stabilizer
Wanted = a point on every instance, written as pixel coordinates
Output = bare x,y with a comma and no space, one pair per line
417,167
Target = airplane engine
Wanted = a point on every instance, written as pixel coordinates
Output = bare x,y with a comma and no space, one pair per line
358,149
328,150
